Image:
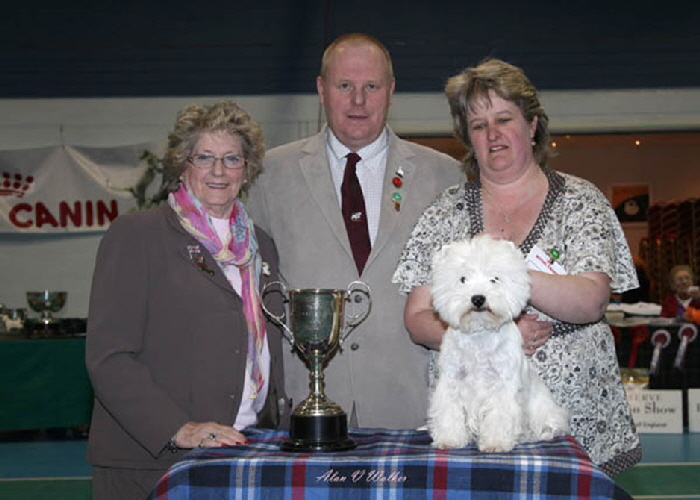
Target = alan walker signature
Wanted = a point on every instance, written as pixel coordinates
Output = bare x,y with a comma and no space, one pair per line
362,475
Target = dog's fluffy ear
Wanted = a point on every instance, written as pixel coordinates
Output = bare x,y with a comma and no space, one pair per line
446,253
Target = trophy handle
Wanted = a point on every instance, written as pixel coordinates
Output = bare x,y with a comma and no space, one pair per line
278,319
355,292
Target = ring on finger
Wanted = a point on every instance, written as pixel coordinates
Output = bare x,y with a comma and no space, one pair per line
211,436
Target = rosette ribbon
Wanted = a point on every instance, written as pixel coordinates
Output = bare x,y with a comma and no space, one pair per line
660,340
687,334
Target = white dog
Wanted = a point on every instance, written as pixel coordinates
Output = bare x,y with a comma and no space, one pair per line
487,391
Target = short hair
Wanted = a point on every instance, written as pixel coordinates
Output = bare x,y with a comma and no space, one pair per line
354,39
678,268
508,82
195,119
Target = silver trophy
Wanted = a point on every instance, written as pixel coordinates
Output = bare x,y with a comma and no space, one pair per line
45,303
316,325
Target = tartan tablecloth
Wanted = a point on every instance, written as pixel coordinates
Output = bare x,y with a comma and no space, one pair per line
386,464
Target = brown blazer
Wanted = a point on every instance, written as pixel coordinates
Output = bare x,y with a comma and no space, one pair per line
166,342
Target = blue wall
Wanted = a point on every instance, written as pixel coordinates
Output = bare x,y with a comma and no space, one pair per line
127,48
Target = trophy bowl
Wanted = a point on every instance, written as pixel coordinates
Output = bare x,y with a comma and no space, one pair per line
316,324
45,303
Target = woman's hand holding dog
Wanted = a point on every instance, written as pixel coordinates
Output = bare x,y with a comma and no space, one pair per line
534,331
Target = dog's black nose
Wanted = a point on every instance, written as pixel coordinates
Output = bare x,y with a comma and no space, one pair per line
478,300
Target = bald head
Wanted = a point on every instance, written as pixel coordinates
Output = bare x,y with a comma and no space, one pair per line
355,40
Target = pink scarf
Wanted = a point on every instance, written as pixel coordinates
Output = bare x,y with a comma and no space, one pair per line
241,250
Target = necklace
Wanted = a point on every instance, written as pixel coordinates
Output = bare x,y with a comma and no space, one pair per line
504,214
522,214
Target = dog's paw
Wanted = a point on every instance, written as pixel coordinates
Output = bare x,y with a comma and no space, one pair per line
448,444
548,433
449,440
495,446
555,425
495,449
544,434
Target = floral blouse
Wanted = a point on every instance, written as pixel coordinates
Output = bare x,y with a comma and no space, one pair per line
578,363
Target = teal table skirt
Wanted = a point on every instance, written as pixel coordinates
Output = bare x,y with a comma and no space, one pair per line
44,384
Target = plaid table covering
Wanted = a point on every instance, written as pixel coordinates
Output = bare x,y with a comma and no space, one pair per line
386,464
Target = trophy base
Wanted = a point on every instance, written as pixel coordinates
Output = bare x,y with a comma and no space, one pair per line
318,433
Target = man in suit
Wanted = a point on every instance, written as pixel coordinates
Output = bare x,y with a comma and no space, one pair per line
380,376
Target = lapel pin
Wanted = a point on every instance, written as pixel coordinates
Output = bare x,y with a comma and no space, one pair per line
195,253
397,181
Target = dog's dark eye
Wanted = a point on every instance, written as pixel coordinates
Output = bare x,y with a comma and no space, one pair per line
494,279
462,279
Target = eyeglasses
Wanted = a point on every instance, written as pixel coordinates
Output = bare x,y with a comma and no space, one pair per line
203,160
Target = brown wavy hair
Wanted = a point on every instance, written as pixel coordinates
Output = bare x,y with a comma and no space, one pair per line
508,82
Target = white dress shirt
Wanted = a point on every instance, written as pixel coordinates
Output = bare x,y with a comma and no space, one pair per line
370,173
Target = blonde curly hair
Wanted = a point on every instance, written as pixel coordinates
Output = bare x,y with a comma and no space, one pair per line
195,119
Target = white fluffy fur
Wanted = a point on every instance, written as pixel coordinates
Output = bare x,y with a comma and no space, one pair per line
487,391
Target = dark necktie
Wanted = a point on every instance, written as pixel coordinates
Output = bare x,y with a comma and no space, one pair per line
354,213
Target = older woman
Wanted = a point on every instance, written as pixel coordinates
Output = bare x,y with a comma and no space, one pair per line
178,350
563,219
683,293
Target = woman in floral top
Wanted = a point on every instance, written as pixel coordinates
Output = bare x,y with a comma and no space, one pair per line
564,220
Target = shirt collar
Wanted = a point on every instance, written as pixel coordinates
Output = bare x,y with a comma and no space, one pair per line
340,151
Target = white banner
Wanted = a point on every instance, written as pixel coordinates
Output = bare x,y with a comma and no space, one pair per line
68,188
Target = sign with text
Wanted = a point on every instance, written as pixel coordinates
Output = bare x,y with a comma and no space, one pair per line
694,410
656,411
68,188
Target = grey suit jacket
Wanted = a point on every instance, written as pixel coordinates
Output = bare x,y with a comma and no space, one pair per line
166,341
380,377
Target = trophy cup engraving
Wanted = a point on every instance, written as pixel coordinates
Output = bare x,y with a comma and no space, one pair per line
316,326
